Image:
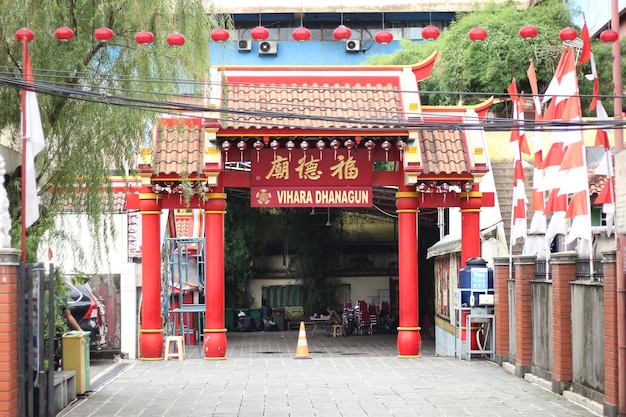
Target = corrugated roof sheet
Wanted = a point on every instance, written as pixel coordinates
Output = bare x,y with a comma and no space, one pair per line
311,106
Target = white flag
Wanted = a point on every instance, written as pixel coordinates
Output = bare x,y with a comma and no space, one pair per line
34,143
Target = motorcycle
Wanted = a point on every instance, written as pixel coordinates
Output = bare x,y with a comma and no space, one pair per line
348,321
387,322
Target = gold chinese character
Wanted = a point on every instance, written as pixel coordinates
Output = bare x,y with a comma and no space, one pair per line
345,168
280,169
308,170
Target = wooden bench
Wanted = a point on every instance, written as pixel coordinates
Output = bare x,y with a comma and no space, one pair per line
64,389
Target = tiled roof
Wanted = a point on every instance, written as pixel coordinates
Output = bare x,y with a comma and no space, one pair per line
443,151
311,106
178,149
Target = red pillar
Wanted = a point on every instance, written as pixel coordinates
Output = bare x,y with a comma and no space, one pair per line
150,332
563,271
409,340
215,342
524,273
611,370
9,387
470,205
501,307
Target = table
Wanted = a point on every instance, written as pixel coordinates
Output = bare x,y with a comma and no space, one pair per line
191,311
320,320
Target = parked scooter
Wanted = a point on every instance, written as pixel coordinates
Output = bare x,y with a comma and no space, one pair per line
387,323
348,320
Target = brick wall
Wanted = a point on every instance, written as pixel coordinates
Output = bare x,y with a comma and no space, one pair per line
8,333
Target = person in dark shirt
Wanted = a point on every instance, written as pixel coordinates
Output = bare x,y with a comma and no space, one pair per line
332,315
69,318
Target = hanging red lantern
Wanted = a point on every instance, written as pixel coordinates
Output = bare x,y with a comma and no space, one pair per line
369,145
144,37
25,35
260,33
64,34
226,145
103,34
220,35
304,145
430,33
175,39
341,33
383,37
478,34
528,32
258,145
301,34
568,34
609,36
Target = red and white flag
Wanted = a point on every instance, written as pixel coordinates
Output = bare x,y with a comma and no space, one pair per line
605,168
518,142
537,205
34,142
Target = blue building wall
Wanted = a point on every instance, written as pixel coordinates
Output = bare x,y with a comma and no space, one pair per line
299,53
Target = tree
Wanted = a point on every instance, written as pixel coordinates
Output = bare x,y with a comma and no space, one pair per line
466,68
90,138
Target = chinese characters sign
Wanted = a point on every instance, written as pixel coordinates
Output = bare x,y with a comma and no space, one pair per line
311,179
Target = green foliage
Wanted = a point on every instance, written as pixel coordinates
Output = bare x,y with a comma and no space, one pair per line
239,227
311,244
465,67
88,141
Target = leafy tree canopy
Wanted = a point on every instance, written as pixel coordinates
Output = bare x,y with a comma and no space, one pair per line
470,71
87,140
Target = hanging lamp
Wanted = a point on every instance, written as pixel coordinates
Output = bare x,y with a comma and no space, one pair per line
64,34
478,34
383,36
528,32
103,34
568,34
175,39
144,37
609,36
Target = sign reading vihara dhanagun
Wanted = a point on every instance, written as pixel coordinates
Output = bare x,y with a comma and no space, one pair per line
311,178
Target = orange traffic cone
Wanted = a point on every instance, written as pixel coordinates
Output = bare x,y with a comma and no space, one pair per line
302,349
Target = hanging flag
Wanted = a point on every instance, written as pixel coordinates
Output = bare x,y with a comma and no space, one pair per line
537,205
34,142
585,53
605,168
518,209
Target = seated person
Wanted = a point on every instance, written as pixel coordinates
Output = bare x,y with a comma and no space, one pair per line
332,316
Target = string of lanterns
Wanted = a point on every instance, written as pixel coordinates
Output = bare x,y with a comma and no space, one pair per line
320,144
341,33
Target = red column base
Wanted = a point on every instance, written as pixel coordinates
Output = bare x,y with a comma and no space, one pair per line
151,344
215,344
409,342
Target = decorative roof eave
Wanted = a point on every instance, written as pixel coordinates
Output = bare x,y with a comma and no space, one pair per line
289,133
424,69
481,108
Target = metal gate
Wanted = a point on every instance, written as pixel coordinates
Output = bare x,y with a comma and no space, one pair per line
36,340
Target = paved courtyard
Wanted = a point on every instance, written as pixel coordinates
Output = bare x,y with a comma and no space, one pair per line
349,376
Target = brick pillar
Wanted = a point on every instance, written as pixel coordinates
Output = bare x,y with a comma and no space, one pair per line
611,371
524,273
9,389
501,307
563,272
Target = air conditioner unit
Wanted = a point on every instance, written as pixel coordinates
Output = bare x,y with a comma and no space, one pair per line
268,48
353,45
244,45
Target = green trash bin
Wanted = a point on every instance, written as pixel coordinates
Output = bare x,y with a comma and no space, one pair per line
229,318
255,313
75,357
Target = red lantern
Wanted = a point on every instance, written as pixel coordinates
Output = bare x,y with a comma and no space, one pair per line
103,34
144,37
383,37
220,35
25,35
64,34
568,34
301,34
430,33
175,39
478,34
609,36
341,33
528,32
260,33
